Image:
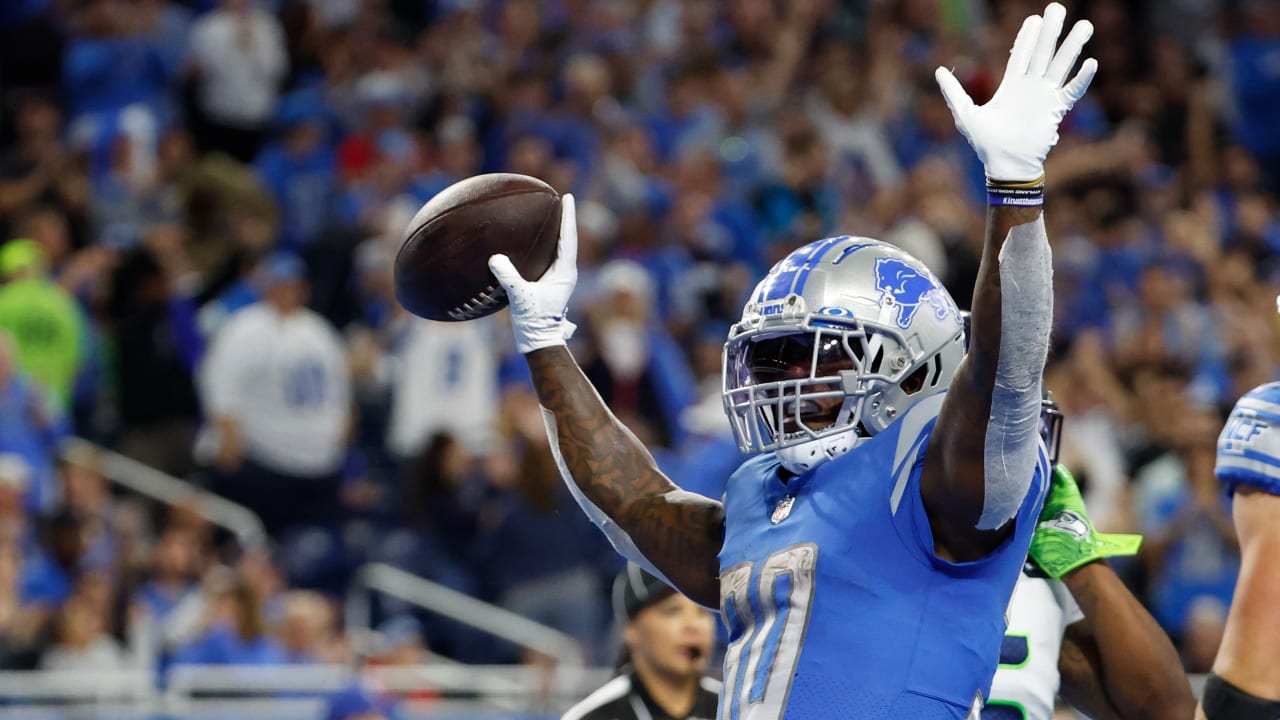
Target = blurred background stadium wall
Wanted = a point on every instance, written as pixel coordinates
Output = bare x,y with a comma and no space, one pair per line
362,505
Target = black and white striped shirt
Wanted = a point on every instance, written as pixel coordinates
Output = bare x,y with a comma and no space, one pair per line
625,698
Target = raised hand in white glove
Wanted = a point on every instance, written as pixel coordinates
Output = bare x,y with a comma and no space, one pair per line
1014,131
538,308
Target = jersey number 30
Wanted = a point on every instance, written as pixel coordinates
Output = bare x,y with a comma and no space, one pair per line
767,610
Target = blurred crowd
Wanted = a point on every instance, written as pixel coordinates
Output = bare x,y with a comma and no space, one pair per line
201,201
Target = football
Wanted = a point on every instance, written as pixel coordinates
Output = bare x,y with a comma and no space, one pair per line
442,269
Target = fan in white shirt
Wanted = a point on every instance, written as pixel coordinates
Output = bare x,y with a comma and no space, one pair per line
276,387
239,52
276,382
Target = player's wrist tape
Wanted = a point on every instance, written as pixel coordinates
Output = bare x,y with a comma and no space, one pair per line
1019,194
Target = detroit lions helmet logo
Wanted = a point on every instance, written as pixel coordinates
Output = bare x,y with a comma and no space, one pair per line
905,288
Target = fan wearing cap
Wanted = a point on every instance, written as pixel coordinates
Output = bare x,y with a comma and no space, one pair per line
667,643
400,645
277,389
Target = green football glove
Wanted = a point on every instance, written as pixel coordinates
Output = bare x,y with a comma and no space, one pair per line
1065,538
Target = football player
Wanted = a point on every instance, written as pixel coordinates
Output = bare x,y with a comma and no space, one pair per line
1245,681
863,559
1075,630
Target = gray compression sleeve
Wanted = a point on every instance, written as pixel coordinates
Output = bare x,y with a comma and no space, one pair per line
1026,314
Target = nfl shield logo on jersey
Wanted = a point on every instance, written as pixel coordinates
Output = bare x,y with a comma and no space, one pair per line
783,509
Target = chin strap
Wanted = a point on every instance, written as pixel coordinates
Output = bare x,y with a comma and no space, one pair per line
803,457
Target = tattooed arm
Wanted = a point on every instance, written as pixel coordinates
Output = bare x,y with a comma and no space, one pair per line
679,532
612,475
1117,664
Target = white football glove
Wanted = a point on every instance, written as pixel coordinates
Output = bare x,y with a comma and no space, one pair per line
1014,131
538,308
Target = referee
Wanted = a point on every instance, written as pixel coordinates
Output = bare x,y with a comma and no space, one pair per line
667,642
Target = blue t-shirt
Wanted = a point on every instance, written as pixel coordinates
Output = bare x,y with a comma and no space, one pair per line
223,646
102,74
837,604
44,581
1199,561
20,434
304,188
1255,76
160,601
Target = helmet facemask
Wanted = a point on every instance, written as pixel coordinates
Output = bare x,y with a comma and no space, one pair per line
789,383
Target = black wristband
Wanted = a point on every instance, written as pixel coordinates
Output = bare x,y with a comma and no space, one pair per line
1018,194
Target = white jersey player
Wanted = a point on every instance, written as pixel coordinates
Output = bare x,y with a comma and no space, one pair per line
1074,630
1027,679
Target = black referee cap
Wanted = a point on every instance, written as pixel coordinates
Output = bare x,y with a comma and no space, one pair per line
635,590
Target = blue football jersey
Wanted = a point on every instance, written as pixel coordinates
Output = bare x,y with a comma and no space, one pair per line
1249,445
836,604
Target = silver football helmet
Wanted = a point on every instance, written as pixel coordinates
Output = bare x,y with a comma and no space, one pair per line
837,341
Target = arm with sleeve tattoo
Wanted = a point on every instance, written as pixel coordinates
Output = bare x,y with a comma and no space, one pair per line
679,532
1117,664
611,474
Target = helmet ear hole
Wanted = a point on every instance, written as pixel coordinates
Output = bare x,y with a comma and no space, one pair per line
914,382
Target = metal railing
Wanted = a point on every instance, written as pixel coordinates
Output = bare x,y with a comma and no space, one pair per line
493,681
281,692
74,685
143,479
278,692
248,530
470,611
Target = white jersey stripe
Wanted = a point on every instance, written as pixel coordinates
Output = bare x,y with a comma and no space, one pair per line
917,417
1259,405
1239,463
607,693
